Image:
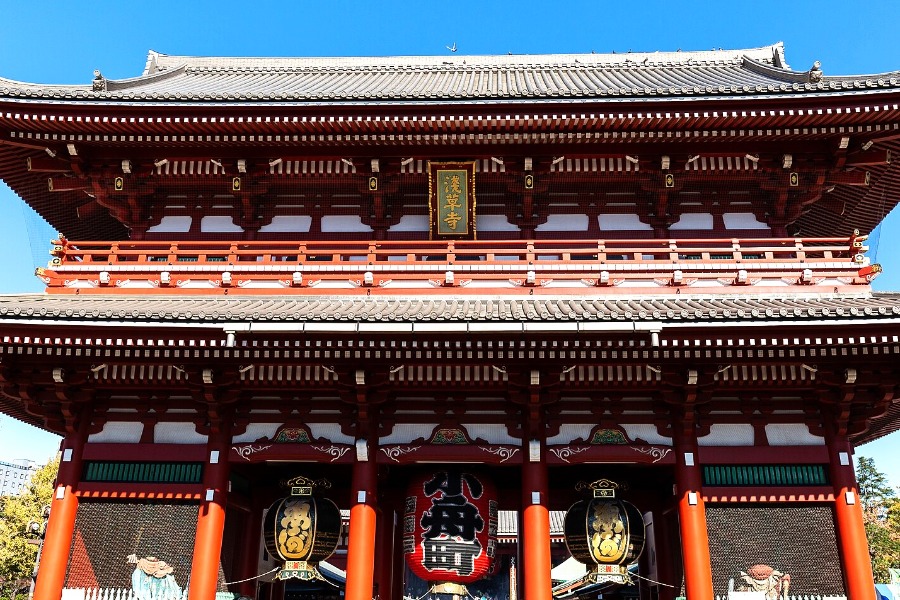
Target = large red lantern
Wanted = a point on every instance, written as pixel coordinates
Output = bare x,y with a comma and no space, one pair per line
605,531
450,526
302,530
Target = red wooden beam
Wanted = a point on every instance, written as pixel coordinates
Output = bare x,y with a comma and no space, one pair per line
873,156
45,164
857,178
68,184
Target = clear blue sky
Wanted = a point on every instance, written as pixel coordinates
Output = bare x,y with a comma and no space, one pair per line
63,42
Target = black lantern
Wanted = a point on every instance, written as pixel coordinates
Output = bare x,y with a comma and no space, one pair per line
605,531
302,529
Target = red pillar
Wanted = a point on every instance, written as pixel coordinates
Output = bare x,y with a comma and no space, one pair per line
536,562
398,569
211,520
63,510
250,550
692,517
384,560
854,547
361,545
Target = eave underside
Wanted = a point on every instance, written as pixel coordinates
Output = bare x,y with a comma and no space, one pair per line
137,353
840,149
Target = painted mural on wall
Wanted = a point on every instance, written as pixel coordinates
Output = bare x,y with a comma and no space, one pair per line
153,579
139,545
779,551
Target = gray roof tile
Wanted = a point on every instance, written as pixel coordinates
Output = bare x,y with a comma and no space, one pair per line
458,77
163,309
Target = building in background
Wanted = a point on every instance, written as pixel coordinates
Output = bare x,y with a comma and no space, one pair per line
528,274
15,475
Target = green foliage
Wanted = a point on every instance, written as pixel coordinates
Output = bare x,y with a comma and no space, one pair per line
881,514
874,490
17,550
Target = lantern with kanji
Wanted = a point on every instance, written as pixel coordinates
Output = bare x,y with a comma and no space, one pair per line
302,529
450,526
605,531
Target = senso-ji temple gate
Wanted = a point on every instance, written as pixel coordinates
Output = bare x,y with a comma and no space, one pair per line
497,276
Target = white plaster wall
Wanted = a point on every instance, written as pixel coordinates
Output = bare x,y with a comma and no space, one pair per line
620,222
177,433
288,223
493,434
405,433
172,224
411,223
344,224
738,220
693,221
569,433
119,433
219,224
564,223
792,434
728,434
647,433
494,223
256,431
331,432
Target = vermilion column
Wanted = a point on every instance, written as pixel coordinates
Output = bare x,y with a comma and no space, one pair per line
250,551
384,560
536,563
361,544
692,518
849,517
211,519
63,510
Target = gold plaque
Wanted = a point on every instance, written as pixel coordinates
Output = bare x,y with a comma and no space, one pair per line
451,199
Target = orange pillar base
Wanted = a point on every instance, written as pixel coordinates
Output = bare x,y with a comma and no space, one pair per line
536,558
63,511
361,542
207,548
692,518
536,562
851,530
695,548
57,544
211,523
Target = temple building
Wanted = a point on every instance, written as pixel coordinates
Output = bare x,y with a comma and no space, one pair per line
474,286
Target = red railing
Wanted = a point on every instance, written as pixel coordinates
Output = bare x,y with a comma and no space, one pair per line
414,252
112,263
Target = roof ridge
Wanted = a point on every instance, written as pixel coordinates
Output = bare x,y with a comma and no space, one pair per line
762,54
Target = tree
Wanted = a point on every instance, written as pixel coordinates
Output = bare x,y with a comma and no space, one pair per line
875,492
17,550
881,515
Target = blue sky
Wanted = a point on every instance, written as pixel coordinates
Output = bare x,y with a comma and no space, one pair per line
63,42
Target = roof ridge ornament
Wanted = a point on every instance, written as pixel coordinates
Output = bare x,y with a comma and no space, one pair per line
815,72
99,82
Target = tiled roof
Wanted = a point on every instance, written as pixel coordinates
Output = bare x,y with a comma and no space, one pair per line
446,309
458,78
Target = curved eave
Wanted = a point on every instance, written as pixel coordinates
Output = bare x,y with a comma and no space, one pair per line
638,313
836,87
866,321
603,115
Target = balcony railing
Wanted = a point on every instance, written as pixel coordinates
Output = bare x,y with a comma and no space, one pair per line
267,266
